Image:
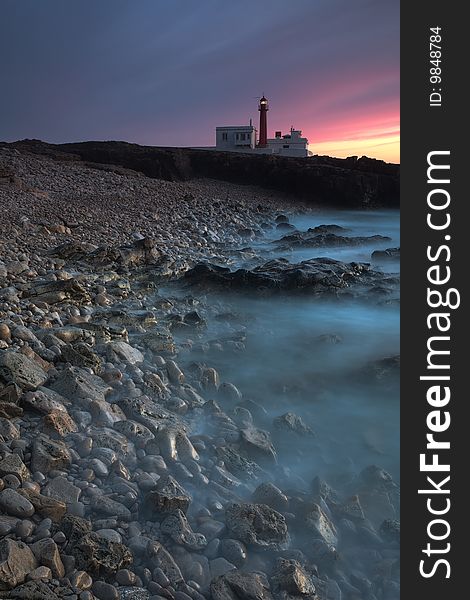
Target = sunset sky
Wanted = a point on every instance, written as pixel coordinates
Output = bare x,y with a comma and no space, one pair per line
167,72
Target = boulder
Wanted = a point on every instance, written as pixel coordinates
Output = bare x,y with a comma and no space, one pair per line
59,423
47,554
320,525
95,554
235,585
103,505
292,423
16,561
15,504
49,508
168,497
62,489
77,384
159,558
257,445
13,465
45,401
18,369
178,528
126,352
49,454
257,525
268,493
290,579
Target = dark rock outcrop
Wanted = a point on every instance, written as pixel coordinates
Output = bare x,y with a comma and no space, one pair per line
350,182
315,276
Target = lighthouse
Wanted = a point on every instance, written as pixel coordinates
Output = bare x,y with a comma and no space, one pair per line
243,138
263,123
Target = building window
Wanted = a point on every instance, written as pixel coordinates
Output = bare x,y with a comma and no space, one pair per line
224,137
286,146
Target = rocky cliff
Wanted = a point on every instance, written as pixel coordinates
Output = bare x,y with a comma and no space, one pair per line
350,182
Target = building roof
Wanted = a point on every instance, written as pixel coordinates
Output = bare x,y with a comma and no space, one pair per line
250,127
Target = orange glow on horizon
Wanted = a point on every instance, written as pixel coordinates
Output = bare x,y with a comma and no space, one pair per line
384,147
377,136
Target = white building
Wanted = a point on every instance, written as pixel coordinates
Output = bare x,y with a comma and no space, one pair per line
290,144
235,138
242,138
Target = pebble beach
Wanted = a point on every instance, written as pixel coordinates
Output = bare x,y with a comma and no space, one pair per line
131,468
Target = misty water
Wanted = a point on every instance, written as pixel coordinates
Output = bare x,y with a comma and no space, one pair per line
312,357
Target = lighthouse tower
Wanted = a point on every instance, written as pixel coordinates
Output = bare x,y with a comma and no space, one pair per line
263,123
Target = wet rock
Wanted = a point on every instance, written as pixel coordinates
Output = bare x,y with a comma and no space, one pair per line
318,523
105,591
257,525
350,509
290,579
110,534
16,561
52,292
10,394
178,528
314,238
74,528
175,375
236,585
125,577
104,437
8,524
5,333
24,528
96,554
15,504
44,506
138,433
59,423
168,497
62,489
142,251
8,410
12,464
47,554
234,551
40,573
230,392
292,423
49,454
175,445
8,430
387,255
104,413
268,493
160,558
81,355
151,414
77,384
220,566
45,401
318,275
16,368
238,465
41,590
126,352
258,446
103,505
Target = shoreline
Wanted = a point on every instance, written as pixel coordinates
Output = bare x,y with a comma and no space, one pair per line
126,456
